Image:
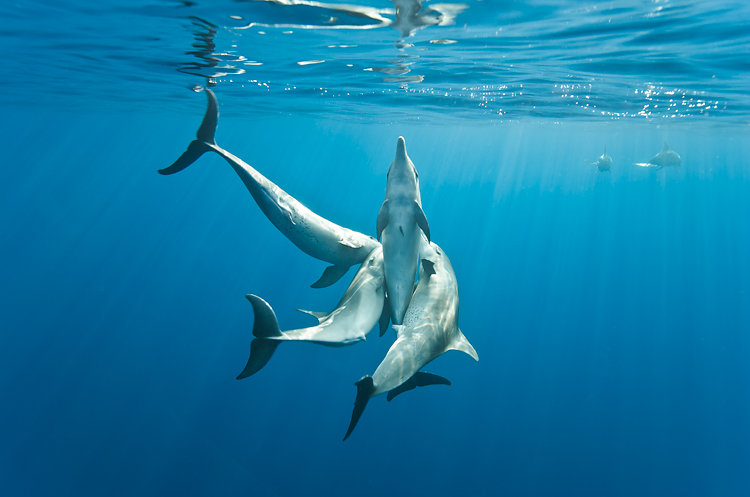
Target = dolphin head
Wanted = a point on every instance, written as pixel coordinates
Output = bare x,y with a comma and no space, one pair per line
402,168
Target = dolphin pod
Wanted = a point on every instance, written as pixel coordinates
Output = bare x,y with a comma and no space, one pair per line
424,318
666,158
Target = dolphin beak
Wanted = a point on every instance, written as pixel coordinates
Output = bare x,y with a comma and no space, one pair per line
401,148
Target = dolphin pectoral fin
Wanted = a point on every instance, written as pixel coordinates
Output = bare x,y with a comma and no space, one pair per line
463,345
319,315
205,136
382,219
419,379
385,317
421,220
429,267
365,387
330,276
265,328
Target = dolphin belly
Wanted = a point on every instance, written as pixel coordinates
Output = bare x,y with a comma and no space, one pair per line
401,244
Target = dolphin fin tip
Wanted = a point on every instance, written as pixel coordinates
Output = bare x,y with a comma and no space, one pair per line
365,387
330,276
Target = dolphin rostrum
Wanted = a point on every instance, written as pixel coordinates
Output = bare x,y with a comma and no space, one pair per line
666,158
604,162
430,328
311,233
354,316
399,222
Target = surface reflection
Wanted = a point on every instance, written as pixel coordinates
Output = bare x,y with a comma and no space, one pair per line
406,16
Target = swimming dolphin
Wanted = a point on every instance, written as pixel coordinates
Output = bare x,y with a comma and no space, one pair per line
604,162
430,328
666,158
314,235
399,223
354,316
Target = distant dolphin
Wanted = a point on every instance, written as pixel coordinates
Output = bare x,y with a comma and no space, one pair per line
604,162
399,222
430,328
666,158
355,315
314,235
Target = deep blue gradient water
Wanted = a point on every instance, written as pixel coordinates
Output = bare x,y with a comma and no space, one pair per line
610,310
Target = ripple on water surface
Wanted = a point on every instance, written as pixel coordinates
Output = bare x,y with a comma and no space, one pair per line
473,59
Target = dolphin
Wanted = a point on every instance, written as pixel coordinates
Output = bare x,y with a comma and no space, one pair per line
311,233
604,162
354,316
399,223
430,328
666,158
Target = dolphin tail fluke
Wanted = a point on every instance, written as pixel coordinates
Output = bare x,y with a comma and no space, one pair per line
330,276
419,379
205,136
261,351
462,344
265,328
365,387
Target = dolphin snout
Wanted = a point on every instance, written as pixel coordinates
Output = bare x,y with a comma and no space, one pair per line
401,148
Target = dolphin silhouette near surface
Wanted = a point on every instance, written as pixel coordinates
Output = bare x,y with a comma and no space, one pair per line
430,328
311,233
355,315
400,225
666,158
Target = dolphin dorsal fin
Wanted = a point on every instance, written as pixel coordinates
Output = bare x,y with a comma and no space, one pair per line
666,145
319,315
462,344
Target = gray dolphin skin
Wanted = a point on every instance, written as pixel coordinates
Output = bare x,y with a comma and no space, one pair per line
430,328
604,162
399,223
666,158
311,233
354,316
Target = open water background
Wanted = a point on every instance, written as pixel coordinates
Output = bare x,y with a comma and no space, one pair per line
610,310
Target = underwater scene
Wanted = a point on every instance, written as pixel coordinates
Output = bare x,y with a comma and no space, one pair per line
518,232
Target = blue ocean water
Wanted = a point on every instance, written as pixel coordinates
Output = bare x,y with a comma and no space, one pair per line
610,310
